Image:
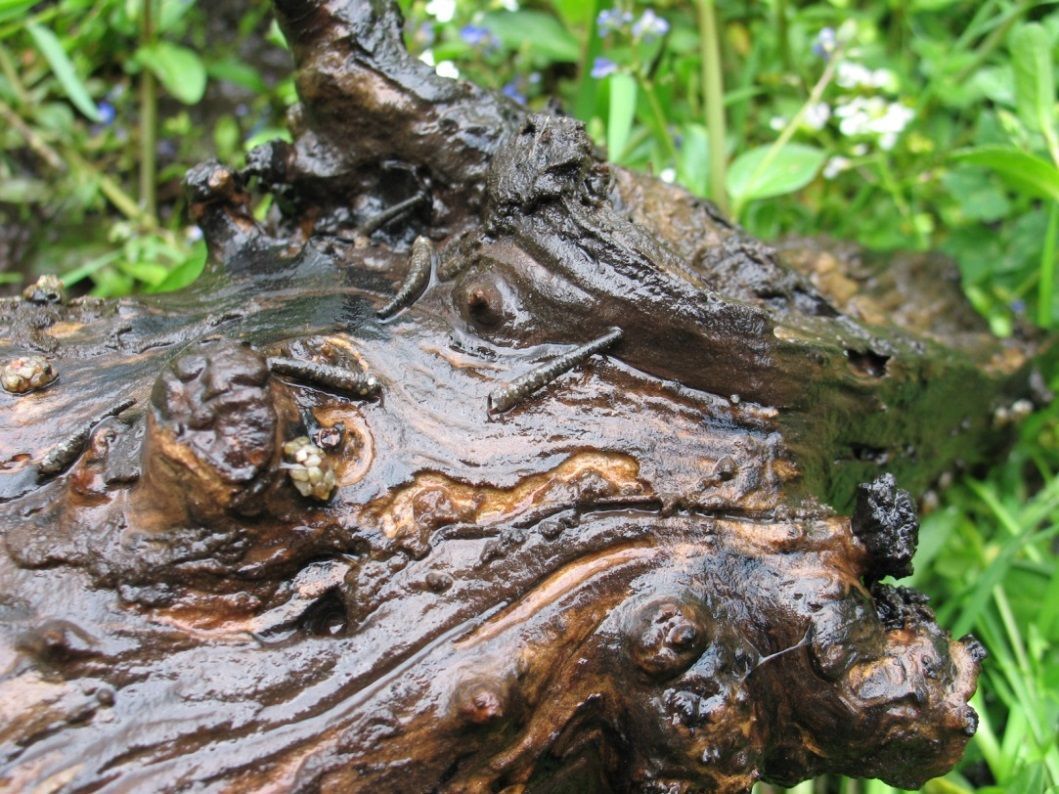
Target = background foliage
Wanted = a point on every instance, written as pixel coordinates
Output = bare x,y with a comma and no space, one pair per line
915,124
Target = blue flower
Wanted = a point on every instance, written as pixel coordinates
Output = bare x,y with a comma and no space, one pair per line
512,90
478,36
611,20
107,113
602,67
650,26
825,44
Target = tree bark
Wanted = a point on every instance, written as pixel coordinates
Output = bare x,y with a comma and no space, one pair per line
481,465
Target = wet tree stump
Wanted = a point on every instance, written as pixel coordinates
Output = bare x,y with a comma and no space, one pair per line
482,465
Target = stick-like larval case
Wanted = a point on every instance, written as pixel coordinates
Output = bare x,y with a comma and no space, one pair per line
526,474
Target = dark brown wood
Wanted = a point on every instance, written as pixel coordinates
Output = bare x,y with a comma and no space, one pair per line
636,574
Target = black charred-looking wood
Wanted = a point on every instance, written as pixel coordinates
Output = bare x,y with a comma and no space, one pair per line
646,581
885,521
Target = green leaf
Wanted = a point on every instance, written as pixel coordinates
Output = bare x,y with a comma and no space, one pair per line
10,9
52,50
996,83
150,273
941,785
227,137
239,73
1031,53
1024,172
266,135
759,173
110,282
1029,780
89,268
171,13
976,194
177,68
184,273
931,5
622,109
542,33
587,95
572,12
695,160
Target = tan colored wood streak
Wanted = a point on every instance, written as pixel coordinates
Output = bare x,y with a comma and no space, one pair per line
432,498
559,584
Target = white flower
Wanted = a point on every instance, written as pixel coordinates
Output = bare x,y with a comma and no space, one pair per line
442,10
853,75
855,115
883,79
668,175
835,166
777,123
817,115
894,120
427,57
509,5
447,69
874,116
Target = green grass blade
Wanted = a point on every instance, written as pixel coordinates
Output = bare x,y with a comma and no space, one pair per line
63,69
621,113
1047,283
1024,172
9,9
1031,55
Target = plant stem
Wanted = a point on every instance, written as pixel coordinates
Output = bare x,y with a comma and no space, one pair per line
1047,284
792,125
713,102
30,136
659,119
993,40
148,120
588,87
8,69
892,186
783,34
121,200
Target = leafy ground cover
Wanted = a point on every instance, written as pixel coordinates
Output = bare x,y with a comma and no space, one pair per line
915,124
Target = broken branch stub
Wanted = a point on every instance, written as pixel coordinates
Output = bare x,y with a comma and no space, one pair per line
481,464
